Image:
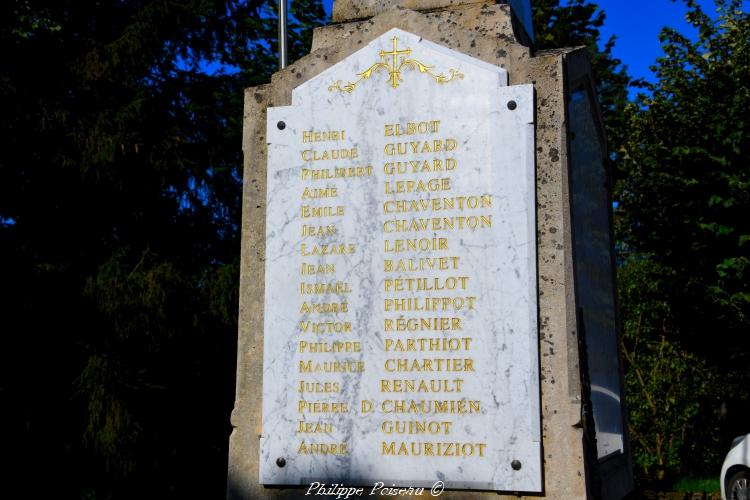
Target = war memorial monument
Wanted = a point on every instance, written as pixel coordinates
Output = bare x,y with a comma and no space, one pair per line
427,282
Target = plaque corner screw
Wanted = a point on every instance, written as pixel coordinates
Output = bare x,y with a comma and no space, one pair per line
516,465
280,461
512,105
281,125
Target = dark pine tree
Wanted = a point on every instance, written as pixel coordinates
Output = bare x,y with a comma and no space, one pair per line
120,185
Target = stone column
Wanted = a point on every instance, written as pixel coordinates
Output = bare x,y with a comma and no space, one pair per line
489,32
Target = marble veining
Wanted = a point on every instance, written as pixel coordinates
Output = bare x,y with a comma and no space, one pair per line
467,160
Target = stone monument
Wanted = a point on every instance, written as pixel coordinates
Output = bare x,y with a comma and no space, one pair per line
427,282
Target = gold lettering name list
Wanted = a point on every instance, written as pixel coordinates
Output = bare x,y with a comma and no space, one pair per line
422,280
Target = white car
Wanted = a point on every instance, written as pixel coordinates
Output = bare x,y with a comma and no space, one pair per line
735,472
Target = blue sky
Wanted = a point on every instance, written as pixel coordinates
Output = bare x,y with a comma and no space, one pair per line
636,25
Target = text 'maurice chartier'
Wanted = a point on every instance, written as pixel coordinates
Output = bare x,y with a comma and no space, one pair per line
418,162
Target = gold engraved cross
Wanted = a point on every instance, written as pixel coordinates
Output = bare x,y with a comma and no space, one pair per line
395,70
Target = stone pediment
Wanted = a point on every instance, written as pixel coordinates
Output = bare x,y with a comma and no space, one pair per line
398,61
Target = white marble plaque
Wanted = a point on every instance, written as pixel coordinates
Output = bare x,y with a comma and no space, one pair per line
400,341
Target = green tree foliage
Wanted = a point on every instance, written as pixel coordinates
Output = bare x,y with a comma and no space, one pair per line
671,392
119,244
683,229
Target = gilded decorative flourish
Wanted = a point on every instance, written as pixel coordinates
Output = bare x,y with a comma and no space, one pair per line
394,70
